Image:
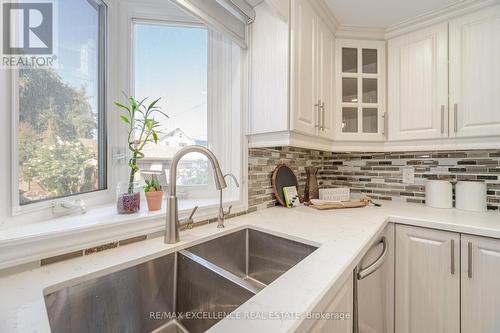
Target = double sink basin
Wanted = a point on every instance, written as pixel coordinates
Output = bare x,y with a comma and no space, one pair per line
185,291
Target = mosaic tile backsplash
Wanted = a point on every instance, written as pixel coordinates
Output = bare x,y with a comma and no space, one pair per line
378,175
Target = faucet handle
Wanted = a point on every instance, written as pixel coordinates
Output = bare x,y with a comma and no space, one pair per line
189,221
228,211
192,213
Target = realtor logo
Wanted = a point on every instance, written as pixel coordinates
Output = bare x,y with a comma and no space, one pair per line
28,28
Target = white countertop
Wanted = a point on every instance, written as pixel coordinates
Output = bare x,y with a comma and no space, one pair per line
344,236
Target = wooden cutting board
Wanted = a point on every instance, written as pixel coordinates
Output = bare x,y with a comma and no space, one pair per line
341,205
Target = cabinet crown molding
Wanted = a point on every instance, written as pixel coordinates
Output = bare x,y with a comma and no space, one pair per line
411,24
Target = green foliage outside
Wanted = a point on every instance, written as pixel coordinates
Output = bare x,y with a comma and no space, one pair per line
194,175
57,137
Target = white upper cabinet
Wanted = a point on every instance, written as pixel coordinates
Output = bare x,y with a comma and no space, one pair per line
312,72
292,75
326,80
305,105
310,89
418,85
444,81
360,90
475,74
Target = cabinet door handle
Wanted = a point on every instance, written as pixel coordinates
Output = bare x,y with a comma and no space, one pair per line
442,119
384,123
316,108
469,260
370,269
322,116
455,118
452,248
361,273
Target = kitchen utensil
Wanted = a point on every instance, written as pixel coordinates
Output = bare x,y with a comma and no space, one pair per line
283,176
322,205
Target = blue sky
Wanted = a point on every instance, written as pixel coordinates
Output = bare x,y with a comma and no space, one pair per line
170,62
78,40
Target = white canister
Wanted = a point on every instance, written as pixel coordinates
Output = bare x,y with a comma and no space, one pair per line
471,196
439,194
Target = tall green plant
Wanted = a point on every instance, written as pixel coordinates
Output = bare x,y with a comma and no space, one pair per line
142,128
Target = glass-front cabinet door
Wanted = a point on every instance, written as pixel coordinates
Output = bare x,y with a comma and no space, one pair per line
360,76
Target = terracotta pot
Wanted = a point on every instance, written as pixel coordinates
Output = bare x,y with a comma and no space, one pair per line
154,200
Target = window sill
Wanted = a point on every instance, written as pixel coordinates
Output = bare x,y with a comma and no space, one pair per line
100,225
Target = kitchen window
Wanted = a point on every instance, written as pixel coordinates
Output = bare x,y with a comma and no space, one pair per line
59,116
196,72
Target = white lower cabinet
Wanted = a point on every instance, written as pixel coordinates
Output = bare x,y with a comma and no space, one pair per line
376,291
427,280
432,281
439,289
480,284
340,305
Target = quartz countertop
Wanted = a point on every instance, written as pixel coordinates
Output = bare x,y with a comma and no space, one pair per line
343,236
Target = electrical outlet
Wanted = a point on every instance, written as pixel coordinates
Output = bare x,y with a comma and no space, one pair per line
408,175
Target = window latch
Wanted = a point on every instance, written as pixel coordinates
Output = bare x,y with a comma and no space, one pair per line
67,206
119,156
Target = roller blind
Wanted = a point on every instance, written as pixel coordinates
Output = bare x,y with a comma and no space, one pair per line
229,17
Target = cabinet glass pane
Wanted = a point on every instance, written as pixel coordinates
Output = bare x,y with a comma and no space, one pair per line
350,120
369,61
349,90
349,60
370,91
370,120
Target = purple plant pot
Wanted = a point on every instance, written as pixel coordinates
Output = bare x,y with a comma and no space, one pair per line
128,203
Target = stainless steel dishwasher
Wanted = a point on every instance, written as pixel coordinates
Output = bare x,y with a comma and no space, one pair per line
373,308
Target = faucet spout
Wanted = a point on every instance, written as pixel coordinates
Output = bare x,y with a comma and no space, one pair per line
172,220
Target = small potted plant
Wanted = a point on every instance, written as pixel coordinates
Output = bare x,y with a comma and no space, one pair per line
154,194
141,129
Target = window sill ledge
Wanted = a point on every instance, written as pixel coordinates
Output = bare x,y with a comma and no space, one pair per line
100,225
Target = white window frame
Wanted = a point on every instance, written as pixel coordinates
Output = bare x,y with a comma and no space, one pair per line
118,79
220,120
36,235
92,197
198,190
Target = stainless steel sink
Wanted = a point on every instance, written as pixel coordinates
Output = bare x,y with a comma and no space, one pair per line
186,291
255,256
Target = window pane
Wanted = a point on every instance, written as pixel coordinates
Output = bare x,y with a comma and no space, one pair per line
370,120
350,120
171,63
59,113
369,61
349,90
349,60
370,91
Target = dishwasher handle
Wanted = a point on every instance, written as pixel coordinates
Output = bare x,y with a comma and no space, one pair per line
370,269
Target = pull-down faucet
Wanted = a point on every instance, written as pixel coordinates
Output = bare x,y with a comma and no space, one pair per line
172,223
